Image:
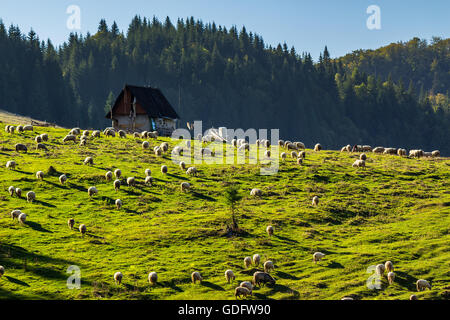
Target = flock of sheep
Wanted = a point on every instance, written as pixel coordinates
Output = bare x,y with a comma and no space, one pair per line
296,149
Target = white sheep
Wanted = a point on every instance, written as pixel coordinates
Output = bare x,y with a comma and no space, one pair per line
256,193
40,175
195,276
158,151
148,181
122,134
413,297
379,269
11,191
118,173
2,271
363,157
283,156
119,204
164,169
71,223
192,171
96,134
389,266
359,164
148,172
116,184
131,181
164,146
11,165
92,191
318,256
256,259
31,196
185,187
268,266
82,229
300,145
436,153
421,285
19,192
38,139
118,277
182,165
247,262
242,291
315,201
62,179
294,155
391,277
109,176
70,137
300,161
22,218
378,150
28,128
15,214
270,230
152,278
229,275
44,137
318,147
145,145
89,161
302,154
267,154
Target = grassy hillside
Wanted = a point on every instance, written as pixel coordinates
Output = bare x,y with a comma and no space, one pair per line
397,209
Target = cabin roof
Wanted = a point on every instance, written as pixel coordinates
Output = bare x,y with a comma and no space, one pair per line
151,99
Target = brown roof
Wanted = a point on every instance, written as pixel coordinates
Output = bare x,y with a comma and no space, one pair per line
151,99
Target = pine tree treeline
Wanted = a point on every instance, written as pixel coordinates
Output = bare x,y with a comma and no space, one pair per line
225,77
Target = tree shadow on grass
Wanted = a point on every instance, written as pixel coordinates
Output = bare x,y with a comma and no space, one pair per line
202,196
17,281
212,286
23,172
37,227
406,280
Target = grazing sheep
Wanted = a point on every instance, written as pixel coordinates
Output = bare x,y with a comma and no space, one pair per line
402,152
109,132
256,193
144,134
427,154
62,179
436,153
421,285
192,171
122,134
41,146
21,147
152,278
182,165
40,175
89,161
283,156
379,269
145,145
178,151
153,135
83,143
280,143
195,276
44,137
185,186
247,262
28,128
391,277
294,155
302,154
148,181
315,201
148,172
20,129
256,259
164,146
366,148
82,229
318,147
75,131
108,176
359,164
300,145
117,185
291,146
392,151
12,191
270,231
11,165
262,277
7,128
92,191
22,218
229,275
118,278
164,169
96,134
71,223
131,181
378,150
70,137
15,214
19,192
300,161
11,129
158,151
416,153
389,266
267,154
413,297
242,291
118,204
117,173
363,157
247,284
347,298
2,271
268,266
31,196
267,144
318,256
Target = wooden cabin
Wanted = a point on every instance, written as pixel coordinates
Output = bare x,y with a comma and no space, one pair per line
140,109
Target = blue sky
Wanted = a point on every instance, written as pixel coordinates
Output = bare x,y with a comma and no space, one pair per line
306,25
